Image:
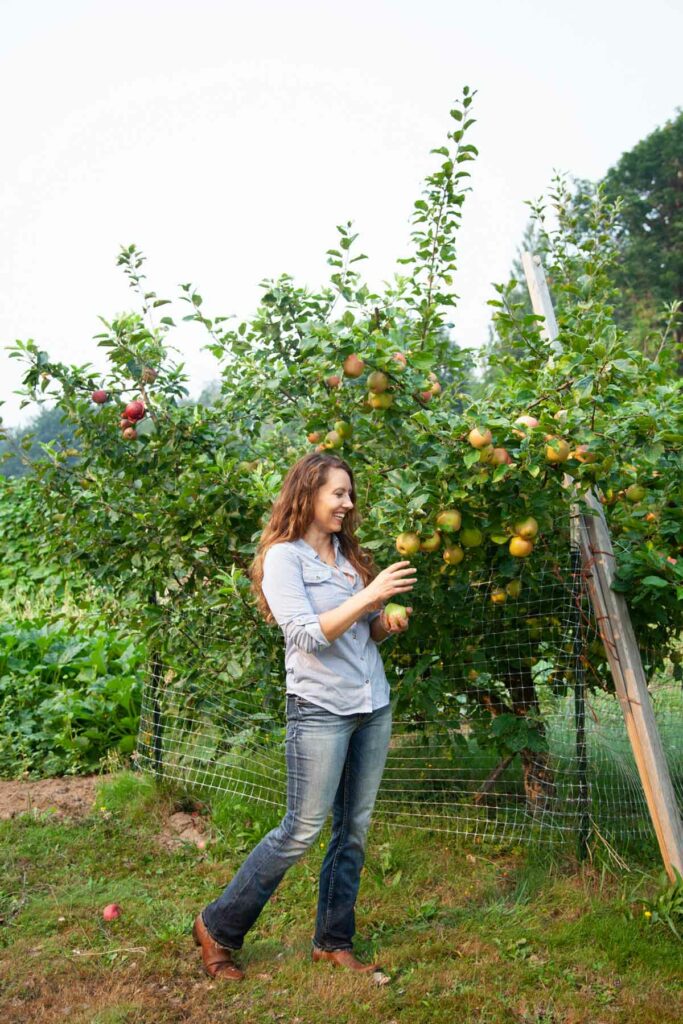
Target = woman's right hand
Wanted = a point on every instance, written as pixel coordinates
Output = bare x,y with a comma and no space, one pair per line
398,578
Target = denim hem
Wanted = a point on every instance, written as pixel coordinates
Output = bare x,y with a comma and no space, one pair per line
331,949
233,949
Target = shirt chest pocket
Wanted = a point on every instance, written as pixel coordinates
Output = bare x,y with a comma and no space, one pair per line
320,589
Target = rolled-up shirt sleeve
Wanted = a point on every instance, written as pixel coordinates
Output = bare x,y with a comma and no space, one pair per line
284,590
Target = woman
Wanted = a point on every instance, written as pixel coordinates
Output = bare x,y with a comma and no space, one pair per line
312,578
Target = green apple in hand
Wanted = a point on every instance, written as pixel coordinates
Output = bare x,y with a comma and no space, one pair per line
396,614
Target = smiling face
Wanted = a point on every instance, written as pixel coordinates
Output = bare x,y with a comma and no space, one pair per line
333,501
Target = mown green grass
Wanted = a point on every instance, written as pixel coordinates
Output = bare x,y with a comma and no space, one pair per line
466,932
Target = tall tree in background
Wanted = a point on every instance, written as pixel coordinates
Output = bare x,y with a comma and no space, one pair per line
649,273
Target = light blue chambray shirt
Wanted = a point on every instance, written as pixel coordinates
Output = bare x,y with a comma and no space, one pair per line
345,676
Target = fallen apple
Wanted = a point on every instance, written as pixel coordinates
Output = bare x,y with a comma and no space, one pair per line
111,912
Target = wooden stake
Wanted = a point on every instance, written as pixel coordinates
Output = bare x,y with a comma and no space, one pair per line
616,631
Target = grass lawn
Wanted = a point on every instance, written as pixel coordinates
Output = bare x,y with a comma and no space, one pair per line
466,932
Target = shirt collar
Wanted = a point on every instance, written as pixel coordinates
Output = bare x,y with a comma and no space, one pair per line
335,545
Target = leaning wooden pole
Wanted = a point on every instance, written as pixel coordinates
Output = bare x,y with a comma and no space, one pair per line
616,631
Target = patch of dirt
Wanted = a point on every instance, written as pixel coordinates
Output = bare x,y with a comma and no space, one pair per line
68,797
183,828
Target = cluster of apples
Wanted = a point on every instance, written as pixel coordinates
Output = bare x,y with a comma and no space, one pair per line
342,431
379,394
449,522
132,414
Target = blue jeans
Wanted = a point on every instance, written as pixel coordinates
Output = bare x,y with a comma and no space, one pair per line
333,762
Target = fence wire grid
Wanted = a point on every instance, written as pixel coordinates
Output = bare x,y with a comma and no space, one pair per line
526,742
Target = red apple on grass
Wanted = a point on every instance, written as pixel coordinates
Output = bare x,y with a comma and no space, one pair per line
111,912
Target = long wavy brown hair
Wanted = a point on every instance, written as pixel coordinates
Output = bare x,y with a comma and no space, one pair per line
292,514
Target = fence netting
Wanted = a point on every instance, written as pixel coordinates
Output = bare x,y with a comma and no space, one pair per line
512,730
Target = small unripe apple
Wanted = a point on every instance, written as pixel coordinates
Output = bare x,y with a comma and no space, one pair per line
471,537
378,381
425,396
130,434
99,397
479,438
513,588
333,439
111,912
449,520
333,381
344,429
382,401
401,360
498,595
453,554
134,411
315,436
635,492
526,528
353,365
408,543
486,453
557,450
432,543
519,547
123,423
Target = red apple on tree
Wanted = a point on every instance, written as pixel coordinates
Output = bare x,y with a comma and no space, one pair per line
480,438
130,434
353,365
134,411
99,397
333,381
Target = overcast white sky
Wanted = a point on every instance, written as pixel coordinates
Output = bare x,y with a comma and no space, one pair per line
227,139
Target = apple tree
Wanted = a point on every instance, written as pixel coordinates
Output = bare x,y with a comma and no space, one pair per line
166,501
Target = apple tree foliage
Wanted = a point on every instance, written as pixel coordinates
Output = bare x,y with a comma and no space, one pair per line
168,522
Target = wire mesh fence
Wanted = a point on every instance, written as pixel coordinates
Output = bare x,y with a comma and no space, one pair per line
509,731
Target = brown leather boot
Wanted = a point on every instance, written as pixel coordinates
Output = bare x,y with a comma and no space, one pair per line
343,958
218,962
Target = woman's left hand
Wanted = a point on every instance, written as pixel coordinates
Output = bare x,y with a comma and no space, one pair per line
395,624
